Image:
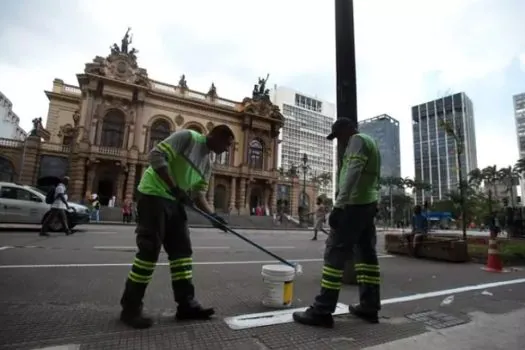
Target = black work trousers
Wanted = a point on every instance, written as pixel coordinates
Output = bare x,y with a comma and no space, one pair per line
356,233
161,222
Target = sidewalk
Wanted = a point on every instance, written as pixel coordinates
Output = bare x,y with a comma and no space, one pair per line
490,332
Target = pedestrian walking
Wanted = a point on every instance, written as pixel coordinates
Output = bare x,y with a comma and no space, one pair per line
57,197
352,224
178,164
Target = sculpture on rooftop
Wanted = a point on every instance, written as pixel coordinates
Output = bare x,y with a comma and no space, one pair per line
260,92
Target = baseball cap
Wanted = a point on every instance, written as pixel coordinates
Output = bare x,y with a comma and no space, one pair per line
339,125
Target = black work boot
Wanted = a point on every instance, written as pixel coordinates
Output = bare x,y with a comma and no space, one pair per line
365,315
193,311
135,319
311,317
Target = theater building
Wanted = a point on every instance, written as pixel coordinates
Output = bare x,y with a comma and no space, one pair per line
100,131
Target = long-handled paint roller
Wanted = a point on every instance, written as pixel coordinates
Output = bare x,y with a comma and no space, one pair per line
297,267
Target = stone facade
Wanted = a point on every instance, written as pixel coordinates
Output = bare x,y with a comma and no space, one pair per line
100,132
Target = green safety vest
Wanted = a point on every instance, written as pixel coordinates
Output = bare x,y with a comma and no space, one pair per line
366,190
189,164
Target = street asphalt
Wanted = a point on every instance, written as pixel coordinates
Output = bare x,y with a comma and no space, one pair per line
65,291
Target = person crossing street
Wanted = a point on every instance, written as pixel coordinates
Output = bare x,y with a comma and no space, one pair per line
179,164
352,224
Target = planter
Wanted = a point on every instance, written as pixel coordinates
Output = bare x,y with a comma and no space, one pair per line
441,248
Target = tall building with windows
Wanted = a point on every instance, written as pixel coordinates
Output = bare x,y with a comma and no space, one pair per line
435,152
307,122
519,117
385,130
9,121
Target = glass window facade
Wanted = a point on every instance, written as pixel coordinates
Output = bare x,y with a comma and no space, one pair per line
385,130
305,131
435,154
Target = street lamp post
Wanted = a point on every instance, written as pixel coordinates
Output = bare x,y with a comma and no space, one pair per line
303,205
346,84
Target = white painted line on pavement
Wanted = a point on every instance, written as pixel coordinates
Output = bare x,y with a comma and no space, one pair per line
61,347
285,316
135,247
166,264
5,247
280,247
271,318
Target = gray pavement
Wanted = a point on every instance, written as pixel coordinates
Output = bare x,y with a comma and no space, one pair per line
65,291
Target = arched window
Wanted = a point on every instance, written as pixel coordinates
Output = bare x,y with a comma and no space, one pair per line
7,173
222,159
158,132
113,127
255,154
195,128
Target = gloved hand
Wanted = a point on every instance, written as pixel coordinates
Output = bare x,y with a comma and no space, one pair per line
181,196
335,217
219,222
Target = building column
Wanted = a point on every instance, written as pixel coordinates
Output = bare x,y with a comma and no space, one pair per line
125,140
275,190
146,140
246,205
121,179
233,193
266,196
77,178
130,184
29,160
99,132
90,179
242,195
294,203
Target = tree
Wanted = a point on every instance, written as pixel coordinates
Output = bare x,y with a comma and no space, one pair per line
391,182
459,141
293,171
475,178
508,176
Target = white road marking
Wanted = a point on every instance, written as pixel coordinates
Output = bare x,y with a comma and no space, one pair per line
135,247
279,247
166,264
285,316
271,318
5,247
61,347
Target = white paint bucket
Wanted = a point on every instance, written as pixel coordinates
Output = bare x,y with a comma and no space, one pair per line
278,280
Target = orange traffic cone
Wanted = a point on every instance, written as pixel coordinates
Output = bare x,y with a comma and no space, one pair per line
494,263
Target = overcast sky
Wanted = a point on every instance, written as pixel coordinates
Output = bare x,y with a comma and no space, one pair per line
408,51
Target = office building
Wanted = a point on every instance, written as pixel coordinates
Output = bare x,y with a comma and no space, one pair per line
519,117
435,152
307,122
9,121
385,130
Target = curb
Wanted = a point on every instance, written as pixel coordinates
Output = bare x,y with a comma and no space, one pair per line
276,228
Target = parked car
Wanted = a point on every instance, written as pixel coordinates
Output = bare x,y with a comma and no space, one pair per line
21,204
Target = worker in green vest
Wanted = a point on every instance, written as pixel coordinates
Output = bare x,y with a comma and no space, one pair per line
178,164
352,222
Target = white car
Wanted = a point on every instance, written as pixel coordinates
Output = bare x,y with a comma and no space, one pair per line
20,204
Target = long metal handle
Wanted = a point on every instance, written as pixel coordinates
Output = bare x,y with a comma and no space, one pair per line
211,218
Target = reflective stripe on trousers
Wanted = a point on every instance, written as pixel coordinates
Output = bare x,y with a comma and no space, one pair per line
331,278
142,271
181,269
367,274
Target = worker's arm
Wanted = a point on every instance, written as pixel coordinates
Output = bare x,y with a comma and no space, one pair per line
167,150
354,160
202,203
200,190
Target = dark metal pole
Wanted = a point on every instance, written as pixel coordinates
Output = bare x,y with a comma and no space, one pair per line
346,84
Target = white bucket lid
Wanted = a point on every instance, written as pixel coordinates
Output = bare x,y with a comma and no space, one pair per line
278,270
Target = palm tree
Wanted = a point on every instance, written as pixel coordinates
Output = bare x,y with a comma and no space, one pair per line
459,141
520,166
475,177
391,182
508,177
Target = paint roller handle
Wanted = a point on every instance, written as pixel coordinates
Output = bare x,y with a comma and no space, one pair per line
228,229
